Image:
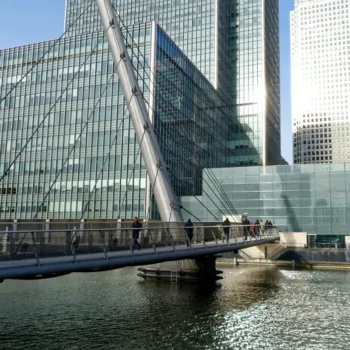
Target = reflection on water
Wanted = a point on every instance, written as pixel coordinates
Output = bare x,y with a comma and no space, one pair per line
251,308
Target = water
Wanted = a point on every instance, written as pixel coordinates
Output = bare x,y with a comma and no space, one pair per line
251,308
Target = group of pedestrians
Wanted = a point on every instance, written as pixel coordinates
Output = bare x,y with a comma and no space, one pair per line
136,227
249,229
225,228
255,229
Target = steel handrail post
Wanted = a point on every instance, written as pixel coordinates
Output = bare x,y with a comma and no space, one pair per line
215,240
129,242
35,251
102,240
171,240
235,236
89,242
68,242
72,245
12,245
149,232
205,246
110,240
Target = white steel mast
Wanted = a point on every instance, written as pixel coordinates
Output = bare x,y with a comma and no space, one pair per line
167,202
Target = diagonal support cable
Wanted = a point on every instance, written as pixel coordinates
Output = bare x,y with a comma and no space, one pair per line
187,211
72,149
224,198
221,190
48,113
103,164
45,53
132,173
224,201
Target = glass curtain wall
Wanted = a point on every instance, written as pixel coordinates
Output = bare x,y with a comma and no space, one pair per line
84,154
272,83
320,71
310,198
190,24
189,118
234,43
254,49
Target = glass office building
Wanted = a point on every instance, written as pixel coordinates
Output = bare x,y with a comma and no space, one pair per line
320,81
234,43
210,81
82,159
192,25
255,78
312,198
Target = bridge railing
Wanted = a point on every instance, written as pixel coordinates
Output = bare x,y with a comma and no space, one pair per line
43,239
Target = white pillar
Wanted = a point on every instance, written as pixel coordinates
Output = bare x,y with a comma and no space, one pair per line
4,241
47,234
167,202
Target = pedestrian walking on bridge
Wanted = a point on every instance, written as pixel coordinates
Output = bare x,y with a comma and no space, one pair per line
226,228
189,232
136,228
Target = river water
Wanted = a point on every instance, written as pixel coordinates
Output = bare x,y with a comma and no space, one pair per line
251,308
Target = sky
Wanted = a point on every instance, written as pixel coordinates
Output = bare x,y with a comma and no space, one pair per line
30,21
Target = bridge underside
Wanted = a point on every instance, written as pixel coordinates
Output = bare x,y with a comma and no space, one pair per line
58,266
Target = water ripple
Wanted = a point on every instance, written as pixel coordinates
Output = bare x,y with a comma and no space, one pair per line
252,308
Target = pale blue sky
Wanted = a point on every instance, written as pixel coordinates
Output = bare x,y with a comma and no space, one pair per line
29,21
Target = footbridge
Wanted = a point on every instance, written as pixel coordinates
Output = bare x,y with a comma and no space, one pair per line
29,251
44,253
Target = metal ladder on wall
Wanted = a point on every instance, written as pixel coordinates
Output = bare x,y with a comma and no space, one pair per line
173,276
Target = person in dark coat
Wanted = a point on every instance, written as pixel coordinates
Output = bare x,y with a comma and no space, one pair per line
226,228
246,226
136,228
257,228
266,225
189,232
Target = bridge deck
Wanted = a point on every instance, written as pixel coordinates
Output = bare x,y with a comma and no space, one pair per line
55,266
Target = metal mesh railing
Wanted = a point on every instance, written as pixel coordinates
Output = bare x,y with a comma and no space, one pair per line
52,239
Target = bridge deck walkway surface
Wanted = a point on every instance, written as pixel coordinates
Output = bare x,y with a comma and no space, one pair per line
53,266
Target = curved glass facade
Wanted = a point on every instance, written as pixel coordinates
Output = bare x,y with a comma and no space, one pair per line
312,198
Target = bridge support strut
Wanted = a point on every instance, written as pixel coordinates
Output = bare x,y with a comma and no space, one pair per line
198,270
167,202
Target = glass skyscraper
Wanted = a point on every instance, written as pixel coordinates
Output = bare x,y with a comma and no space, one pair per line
209,75
192,25
235,44
320,81
255,78
83,160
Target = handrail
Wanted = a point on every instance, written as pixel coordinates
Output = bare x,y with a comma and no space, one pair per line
176,226
74,241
